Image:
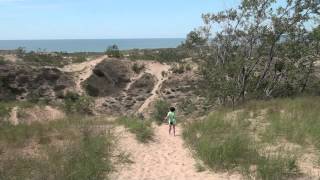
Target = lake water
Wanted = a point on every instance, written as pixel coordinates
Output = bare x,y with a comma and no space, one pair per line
89,45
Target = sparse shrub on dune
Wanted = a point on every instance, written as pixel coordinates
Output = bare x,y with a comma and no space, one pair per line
141,128
74,103
137,68
161,108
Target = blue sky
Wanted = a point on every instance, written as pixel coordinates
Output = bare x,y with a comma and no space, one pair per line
96,19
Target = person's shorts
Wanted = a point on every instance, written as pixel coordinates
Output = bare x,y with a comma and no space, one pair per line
172,123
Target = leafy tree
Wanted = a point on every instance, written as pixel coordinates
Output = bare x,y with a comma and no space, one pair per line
262,50
113,51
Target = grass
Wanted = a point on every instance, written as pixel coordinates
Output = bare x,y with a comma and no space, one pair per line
141,128
296,120
161,109
6,107
223,141
85,154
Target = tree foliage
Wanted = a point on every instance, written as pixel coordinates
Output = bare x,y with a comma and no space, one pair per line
260,49
113,51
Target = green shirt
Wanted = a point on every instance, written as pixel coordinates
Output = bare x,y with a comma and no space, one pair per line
171,117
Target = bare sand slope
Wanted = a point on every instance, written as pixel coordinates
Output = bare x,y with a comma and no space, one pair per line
164,159
83,71
156,69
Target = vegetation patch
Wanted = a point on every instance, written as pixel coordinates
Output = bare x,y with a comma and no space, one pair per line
141,128
161,109
83,153
225,141
74,103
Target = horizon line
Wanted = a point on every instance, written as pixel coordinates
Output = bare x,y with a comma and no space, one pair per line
91,39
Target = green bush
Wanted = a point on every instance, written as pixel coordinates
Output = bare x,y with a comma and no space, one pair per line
113,51
74,103
2,61
161,109
141,128
178,69
138,68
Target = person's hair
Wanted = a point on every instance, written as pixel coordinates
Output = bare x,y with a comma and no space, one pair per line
172,109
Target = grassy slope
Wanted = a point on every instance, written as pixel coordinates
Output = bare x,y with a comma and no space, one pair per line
245,139
64,149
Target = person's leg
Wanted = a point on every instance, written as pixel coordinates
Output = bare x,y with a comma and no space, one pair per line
169,128
174,129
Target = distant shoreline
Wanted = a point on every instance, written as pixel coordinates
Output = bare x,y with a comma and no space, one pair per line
89,45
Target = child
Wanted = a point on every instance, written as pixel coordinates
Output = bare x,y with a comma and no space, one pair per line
171,117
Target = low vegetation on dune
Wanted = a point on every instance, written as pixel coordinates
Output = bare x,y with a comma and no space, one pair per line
141,128
72,148
161,55
161,108
261,139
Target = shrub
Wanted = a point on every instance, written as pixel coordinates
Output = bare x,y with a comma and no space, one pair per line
2,61
138,68
161,108
113,51
79,59
141,128
74,103
178,69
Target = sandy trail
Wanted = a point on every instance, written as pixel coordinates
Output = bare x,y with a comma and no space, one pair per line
156,69
83,71
13,118
164,159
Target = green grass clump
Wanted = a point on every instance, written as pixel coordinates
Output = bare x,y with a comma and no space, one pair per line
138,68
161,109
141,128
87,157
224,143
276,167
74,103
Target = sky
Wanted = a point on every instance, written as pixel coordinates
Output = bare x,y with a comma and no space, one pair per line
103,19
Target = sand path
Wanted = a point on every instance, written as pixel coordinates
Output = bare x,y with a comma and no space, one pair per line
164,159
83,71
13,117
156,69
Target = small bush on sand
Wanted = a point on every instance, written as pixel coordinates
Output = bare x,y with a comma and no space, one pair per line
141,128
2,61
74,103
161,108
138,68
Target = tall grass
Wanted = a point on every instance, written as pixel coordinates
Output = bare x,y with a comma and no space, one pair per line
161,109
297,120
86,158
141,128
85,153
223,142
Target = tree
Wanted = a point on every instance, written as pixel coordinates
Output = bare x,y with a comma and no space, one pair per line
113,51
262,49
